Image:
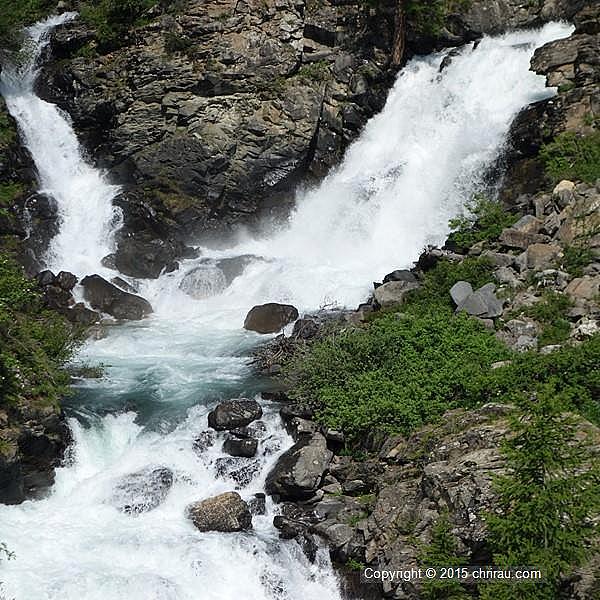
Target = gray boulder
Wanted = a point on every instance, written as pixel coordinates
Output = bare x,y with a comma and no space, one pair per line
393,292
143,490
400,275
299,471
234,413
482,303
226,513
108,298
270,317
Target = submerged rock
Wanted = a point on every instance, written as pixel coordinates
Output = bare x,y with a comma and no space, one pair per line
226,513
143,490
245,447
270,317
234,413
108,298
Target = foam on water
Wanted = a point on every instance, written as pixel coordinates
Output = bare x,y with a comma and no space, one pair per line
412,168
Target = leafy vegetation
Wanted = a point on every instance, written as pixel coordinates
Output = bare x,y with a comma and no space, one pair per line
442,552
429,16
547,501
484,219
34,342
14,14
551,311
572,156
576,257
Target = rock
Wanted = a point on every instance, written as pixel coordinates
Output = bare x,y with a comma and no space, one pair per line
203,281
498,259
542,256
520,334
564,192
460,291
394,292
481,303
108,298
240,470
224,513
258,504
204,441
270,317
305,329
298,472
65,280
121,283
400,275
146,258
505,275
241,447
586,287
528,224
79,313
45,278
234,413
142,491
514,238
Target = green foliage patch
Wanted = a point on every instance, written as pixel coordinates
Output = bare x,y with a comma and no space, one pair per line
429,16
551,311
572,156
15,14
34,342
547,500
484,219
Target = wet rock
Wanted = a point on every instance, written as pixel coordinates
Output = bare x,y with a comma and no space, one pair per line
298,472
246,447
124,285
142,491
270,317
79,313
225,513
234,413
203,281
258,504
146,258
204,441
305,329
394,292
65,280
240,470
108,298
400,275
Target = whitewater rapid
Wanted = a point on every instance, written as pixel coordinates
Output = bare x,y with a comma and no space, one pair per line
412,169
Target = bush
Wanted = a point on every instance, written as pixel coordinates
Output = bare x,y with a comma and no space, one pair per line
429,16
397,374
576,257
34,342
572,156
547,501
484,220
15,14
550,311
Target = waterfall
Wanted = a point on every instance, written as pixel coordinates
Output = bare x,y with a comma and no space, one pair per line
412,168
84,196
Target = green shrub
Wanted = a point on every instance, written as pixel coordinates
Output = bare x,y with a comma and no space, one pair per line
34,342
442,552
551,311
398,373
484,220
15,14
572,156
429,16
547,501
575,258
176,43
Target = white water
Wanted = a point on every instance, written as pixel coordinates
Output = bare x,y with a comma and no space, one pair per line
412,168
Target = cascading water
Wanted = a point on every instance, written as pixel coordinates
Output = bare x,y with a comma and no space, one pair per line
82,193
411,169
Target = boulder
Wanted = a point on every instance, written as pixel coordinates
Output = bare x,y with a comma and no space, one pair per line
393,292
270,317
564,192
305,329
225,513
146,258
143,490
584,288
513,238
241,470
400,275
234,413
203,281
482,303
299,471
65,280
542,256
528,224
460,291
108,298
258,504
245,447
